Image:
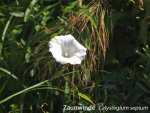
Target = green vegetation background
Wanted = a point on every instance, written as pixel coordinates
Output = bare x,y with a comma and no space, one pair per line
31,81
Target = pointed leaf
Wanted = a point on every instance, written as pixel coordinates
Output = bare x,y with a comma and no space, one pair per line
85,97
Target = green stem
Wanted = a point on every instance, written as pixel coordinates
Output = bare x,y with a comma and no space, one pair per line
73,75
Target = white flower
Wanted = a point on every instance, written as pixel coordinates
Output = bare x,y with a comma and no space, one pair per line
66,49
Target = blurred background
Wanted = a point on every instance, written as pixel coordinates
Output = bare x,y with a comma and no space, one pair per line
115,72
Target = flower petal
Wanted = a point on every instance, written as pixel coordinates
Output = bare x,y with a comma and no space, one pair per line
73,60
64,39
54,43
60,45
55,51
79,46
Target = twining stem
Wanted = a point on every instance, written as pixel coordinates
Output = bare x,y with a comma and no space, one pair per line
73,74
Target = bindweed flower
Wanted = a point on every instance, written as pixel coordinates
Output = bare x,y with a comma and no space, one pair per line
66,49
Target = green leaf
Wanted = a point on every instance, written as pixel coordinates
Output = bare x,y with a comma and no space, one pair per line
48,8
23,42
32,72
85,97
91,18
37,28
17,14
23,91
6,28
28,55
70,7
27,14
66,88
9,73
33,3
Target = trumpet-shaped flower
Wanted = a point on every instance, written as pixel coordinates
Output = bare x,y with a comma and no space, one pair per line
66,49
